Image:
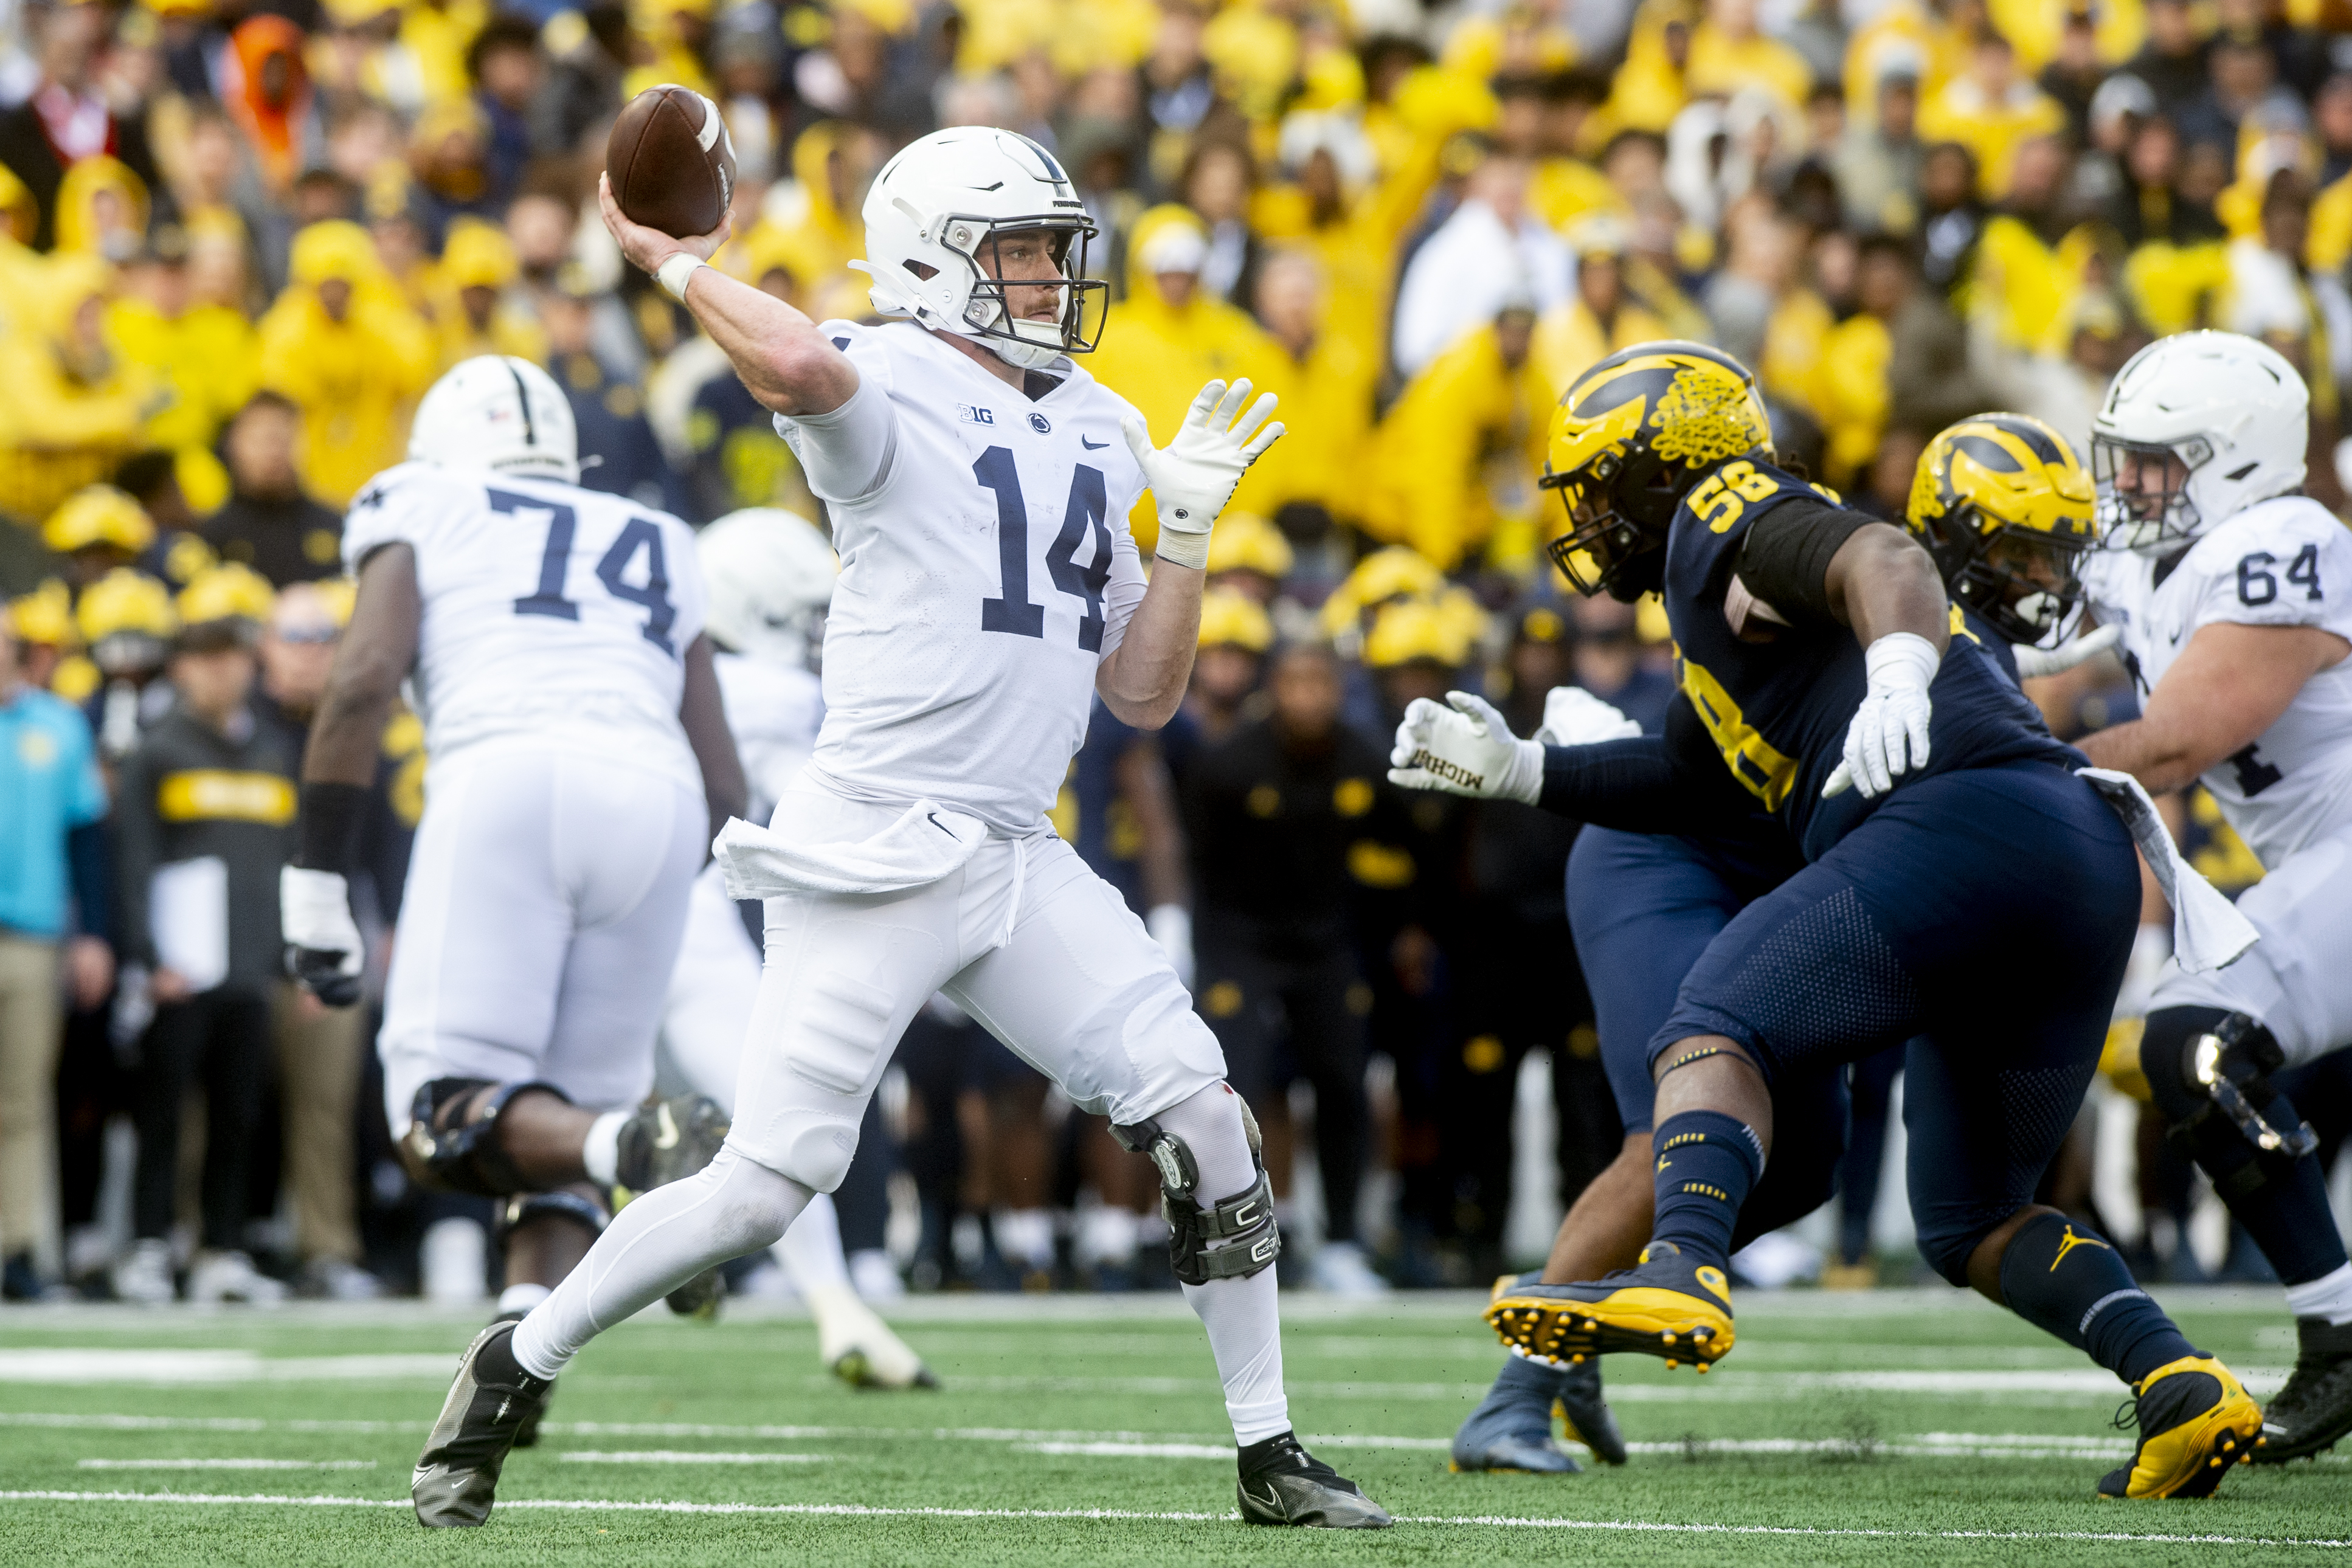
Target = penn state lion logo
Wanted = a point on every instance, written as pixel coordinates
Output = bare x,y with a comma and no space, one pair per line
1705,417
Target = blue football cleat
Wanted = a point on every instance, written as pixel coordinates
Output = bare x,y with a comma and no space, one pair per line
1511,1428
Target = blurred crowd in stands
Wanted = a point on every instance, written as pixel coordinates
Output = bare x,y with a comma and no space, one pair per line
238,238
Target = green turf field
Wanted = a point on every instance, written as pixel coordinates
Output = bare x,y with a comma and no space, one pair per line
1879,1428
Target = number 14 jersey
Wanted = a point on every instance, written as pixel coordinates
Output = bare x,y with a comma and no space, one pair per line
550,613
986,571
2281,562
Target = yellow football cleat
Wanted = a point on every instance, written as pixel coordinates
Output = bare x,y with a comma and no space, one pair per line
2195,1422
1667,1305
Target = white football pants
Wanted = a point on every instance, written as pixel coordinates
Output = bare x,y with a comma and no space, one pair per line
2299,978
545,899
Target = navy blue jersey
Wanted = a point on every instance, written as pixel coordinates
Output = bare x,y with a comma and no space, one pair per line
1777,710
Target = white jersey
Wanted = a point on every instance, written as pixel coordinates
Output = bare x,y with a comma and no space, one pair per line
986,571
552,614
773,710
2281,562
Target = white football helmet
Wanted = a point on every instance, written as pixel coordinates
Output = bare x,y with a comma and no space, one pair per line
2225,418
942,203
498,413
770,576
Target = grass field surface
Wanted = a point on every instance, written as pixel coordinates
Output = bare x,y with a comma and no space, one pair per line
1884,1427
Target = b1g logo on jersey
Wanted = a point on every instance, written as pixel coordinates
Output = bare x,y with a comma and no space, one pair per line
967,414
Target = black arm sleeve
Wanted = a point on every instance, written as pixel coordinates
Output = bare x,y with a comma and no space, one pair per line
1670,783
1785,558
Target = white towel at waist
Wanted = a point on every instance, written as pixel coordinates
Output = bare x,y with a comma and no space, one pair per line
925,843
2208,931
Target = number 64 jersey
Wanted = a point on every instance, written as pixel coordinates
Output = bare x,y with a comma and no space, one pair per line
986,572
552,614
2281,562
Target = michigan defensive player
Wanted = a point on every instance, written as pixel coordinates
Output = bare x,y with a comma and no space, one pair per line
2233,593
580,755
2004,505
770,576
1817,654
978,481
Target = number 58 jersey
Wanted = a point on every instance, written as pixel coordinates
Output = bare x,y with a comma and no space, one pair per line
2281,562
552,614
986,572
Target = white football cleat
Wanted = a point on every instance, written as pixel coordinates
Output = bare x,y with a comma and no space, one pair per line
858,1347
1340,1269
143,1274
875,1277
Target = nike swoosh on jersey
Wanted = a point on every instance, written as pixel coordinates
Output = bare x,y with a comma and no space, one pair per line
1092,446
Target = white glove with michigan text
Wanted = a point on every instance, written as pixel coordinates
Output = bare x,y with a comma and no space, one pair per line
1464,750
1193,476
1888,735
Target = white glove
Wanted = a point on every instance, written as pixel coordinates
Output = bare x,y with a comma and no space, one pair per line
1193,476
2033,662
322,941
1467,750
1170,926
1889,732
1574,716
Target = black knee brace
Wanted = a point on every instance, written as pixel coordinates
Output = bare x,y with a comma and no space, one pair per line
563,1204
1246,1220
2209,1073
453,1140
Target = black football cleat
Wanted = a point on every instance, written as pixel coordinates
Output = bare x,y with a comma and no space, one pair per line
2313,1411
1587,1415
1511,1428
1667,1305
456,1478
527,1435
668,1141
1282,1483
2194,1422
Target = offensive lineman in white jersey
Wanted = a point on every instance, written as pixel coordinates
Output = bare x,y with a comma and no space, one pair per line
978,481
2232,591
552,639
770,576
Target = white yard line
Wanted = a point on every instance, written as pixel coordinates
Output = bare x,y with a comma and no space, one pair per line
224,1464
683,1457
1132,1451
861,1510
214,1367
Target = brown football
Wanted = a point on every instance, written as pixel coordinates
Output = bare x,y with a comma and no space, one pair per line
672,165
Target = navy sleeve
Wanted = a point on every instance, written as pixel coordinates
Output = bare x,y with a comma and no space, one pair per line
87,863
1667,783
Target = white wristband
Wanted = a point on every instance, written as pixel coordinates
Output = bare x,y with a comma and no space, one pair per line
674,273
1901,659
1185,549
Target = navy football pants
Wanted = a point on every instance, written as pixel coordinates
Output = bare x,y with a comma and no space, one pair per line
1988,912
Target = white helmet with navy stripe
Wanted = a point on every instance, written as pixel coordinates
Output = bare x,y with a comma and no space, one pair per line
770,575
935,217
497,413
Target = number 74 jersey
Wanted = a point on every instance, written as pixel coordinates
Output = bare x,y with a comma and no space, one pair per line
552,615
2281,562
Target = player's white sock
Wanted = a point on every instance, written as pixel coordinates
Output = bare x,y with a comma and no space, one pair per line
521,1298
1025,1236
601,1154
2329,1297
662,1239
1242,1316
810,1250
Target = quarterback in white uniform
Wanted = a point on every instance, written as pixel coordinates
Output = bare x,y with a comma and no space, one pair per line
770,575
2232,591
978,481
551,638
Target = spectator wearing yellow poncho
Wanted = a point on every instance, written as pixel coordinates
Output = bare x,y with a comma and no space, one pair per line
1599,319
1167,337
1451,469
1727,53
342,346
476,316
71,405
1990,111
1329,406
203,353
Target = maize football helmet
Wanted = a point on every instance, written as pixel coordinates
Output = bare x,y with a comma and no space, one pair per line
2005,507
1631,437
